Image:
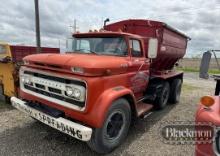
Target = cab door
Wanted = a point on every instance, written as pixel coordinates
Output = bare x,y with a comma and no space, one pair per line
139,67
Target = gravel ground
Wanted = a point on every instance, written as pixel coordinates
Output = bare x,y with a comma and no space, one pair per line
21,135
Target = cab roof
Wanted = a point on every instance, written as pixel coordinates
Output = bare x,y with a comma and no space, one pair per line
106,34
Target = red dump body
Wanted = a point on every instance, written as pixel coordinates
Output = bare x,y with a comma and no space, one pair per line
19,52
172,43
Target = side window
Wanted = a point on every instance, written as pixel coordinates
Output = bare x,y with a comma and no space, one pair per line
135,48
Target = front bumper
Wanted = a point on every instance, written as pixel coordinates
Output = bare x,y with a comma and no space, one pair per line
66,126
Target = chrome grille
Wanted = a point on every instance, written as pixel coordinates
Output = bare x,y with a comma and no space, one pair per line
52,88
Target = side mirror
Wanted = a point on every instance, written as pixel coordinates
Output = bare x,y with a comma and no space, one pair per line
204,66
152,48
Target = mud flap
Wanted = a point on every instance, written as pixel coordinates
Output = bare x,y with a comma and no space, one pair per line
204,66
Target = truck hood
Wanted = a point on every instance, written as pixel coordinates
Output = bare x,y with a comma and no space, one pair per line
92,65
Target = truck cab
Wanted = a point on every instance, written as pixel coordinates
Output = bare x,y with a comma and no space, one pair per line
105,79
115,55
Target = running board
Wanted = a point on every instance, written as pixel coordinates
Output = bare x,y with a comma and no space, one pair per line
142,108
147,97
146,115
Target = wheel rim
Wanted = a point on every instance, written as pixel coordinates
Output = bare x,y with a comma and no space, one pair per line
178,93
115,125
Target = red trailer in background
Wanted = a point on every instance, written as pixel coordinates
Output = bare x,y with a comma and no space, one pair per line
18,52
10,61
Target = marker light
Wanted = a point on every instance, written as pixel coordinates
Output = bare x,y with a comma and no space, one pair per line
77,70
207,101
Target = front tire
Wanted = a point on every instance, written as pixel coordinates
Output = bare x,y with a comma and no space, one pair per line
114,129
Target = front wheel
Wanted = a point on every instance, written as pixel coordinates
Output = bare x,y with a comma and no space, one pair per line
114,129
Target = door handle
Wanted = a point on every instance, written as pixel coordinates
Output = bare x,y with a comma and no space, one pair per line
147,61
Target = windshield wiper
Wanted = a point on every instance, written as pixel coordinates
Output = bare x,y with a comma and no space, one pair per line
81,50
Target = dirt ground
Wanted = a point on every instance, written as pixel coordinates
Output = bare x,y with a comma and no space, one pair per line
21,135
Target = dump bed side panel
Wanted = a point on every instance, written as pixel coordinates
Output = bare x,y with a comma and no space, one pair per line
172,44
172,48
173,39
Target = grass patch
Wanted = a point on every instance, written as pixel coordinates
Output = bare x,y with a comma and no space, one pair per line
196,70
188,87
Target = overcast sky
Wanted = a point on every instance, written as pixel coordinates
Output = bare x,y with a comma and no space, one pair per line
199,19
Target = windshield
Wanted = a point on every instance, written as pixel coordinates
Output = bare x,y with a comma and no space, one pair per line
2,49
98,45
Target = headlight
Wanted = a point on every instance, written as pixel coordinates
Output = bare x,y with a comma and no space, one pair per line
26,79
23,79
75,92
69,91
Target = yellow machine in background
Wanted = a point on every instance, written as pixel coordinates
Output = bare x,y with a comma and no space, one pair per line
10,61
7,72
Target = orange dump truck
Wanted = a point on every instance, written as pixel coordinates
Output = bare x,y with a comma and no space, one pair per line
104,80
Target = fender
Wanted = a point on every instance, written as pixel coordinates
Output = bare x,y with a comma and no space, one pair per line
101,107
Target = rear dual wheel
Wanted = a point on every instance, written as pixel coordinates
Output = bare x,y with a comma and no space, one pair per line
175,91
169,92
114,130
162,96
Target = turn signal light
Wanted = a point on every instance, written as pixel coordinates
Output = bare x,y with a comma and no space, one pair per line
207,101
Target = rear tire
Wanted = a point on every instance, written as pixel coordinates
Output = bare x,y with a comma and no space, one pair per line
162,96
114,129
175,91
